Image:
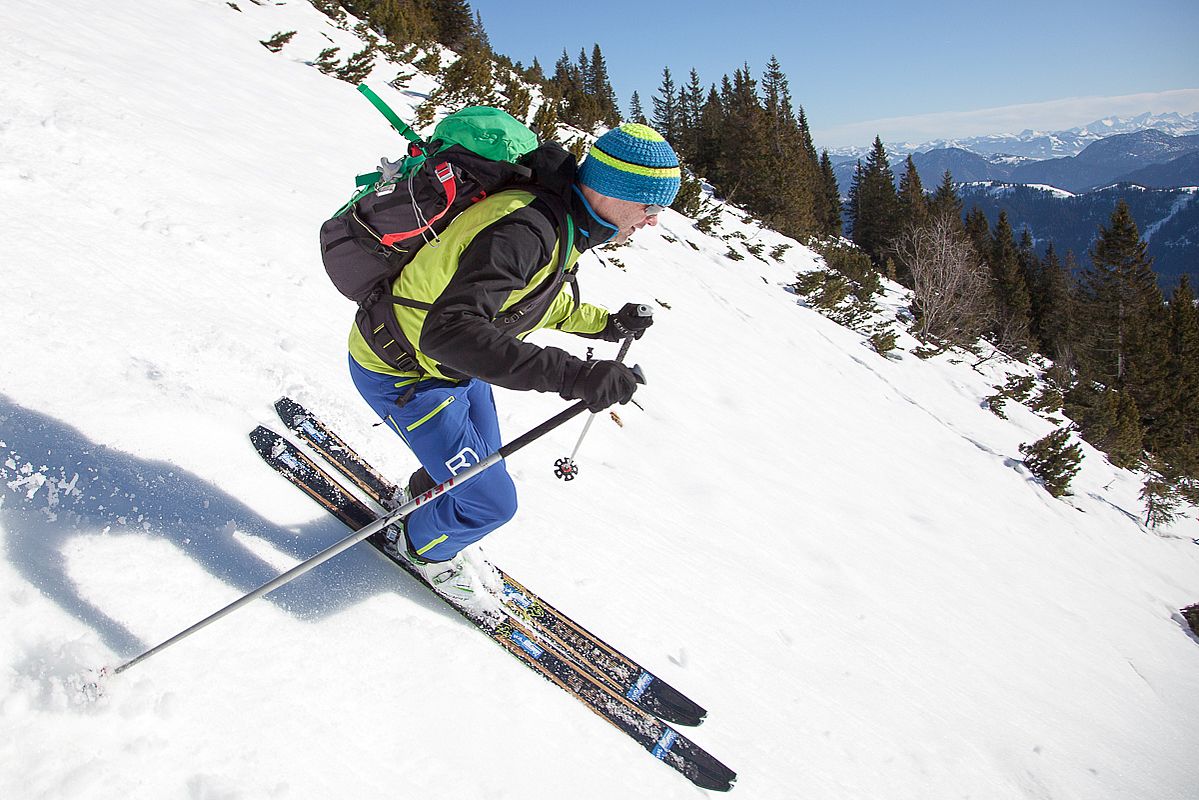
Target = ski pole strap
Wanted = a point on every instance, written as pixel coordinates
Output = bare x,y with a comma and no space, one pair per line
397,123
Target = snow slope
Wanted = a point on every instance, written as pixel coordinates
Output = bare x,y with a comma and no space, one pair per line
838,554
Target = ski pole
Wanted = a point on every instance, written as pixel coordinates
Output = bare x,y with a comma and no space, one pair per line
374,527
565,468
624,351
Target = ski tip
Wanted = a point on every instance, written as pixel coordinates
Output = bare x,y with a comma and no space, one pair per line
670,704
264,440
701,767
714,776
262,433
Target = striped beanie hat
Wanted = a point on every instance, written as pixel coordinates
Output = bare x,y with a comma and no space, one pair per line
632,162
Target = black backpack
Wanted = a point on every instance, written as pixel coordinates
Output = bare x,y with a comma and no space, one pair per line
472,153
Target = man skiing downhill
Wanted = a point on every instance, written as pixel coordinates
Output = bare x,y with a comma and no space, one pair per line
465,304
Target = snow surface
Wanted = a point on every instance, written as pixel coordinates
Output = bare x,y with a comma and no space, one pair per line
999,189
838,554
1053,190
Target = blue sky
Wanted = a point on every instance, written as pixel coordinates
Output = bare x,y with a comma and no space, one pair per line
914,70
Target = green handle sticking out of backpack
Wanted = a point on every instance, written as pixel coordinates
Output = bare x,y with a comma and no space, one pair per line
384,109
488,132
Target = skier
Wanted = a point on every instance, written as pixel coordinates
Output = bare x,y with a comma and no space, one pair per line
497,253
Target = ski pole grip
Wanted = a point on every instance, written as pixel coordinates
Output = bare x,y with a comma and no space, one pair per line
639,374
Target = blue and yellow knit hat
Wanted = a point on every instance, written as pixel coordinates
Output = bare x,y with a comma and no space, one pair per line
632,162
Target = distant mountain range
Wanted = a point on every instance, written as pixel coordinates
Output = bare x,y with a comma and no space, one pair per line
1150,158
1039,144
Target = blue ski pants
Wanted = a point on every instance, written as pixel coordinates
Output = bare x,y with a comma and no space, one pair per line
448,427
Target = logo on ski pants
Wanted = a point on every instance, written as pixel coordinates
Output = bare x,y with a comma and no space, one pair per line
462,460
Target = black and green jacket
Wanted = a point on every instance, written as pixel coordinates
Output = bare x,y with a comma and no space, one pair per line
491,260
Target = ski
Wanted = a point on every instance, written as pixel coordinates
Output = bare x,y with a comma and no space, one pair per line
660,739
560,631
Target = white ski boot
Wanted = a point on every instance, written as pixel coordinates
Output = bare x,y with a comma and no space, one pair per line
467,580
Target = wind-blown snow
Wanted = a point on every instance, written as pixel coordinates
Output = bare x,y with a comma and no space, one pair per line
838,554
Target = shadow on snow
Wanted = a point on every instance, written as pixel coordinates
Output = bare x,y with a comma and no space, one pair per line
55,484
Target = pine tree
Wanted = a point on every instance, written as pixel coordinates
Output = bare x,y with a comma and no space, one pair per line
545,121
1109,420
535,73
1030,269
479,34
566,75
469,81
726,92
913,205
583,105
852,207
358,66
276,42
1011,292
945,200
666,109
744,140
1057,309
805,133
691,105
707,148
519,98
1053,459
806,166
577,107
829,203
565,84
585,75
1161,502
874,213
913,211
1178,438
786,194
636,114
978,230
404,22
600,88
1125,320
326,60
454,23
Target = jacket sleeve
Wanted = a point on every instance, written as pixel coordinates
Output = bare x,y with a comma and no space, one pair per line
459,330
585,319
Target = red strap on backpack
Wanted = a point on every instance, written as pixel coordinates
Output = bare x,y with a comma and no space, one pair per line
445,174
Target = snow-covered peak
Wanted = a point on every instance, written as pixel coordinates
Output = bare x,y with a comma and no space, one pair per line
1038,144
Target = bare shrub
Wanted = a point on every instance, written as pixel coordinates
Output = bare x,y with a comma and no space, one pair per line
950,282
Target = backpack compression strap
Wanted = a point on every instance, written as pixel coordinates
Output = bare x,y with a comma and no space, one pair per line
445,174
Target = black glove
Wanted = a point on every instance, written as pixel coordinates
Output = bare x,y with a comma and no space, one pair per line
601,384
631,320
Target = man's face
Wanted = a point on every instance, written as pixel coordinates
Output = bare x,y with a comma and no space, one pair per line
627,216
